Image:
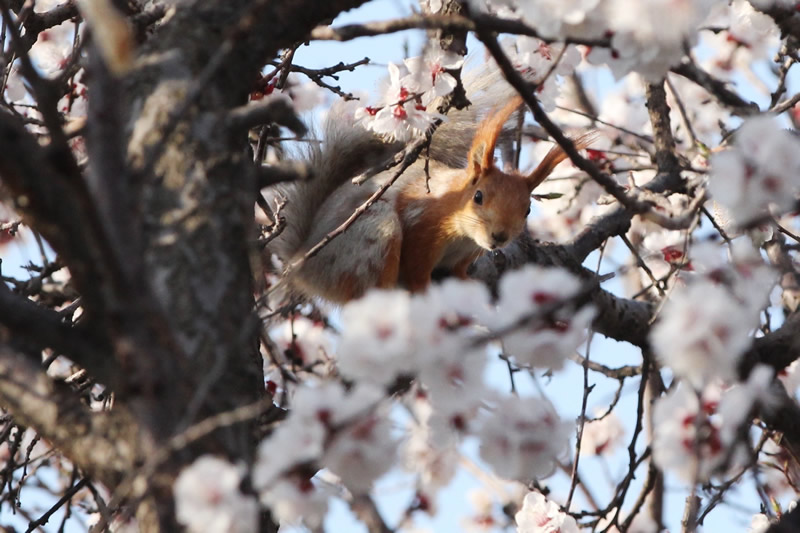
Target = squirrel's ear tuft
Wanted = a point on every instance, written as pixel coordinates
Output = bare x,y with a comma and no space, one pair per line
477,159
555,156
481,154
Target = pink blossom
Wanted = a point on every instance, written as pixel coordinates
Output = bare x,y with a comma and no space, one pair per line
401,115
539,515
759,524
361,451
428,73
602,436
304,340
208,500
702,331
294,501
376,343
762,169
697,434
345,431
521,438
544,341
430,450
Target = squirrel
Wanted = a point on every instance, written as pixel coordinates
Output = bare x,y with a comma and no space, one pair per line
472,206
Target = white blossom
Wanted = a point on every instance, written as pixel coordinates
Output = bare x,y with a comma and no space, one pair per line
444,318
361,451
53,49
790,378
376,343
779,469
539,515
292,443
427,74
602,436
759,524
521,438
208,500
296,501
402,113
305,95
481,519
686,439
737,402
387,334
548,340
702,331
553,18
430,451
536,59
558,18
15,90
454,381
751,36
432,6
761,169
304,340
664,251
344,431
697,434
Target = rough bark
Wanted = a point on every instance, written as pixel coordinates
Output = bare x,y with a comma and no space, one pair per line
159,242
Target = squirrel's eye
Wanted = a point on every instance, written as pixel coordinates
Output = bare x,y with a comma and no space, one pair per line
528,212
478,197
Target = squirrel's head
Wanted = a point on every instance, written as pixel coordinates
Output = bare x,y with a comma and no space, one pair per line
496,204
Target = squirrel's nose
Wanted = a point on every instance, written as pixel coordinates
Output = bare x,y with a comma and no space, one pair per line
500,238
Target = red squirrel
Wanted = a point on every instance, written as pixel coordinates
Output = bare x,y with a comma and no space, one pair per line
472,206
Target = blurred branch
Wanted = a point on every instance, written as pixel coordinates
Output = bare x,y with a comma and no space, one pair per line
104,445
53,198
451,23
777,349
717,88
278,111
35,23
40,327
281,172
658,110
365,509
67,497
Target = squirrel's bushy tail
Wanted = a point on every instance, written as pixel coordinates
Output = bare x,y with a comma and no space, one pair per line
487,91
347,149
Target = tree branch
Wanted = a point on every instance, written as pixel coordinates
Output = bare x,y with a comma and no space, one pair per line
618,318
40,327
450,23
255,114
717,88
104,445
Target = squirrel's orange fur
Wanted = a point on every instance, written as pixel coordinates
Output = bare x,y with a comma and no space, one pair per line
401,240
455,225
